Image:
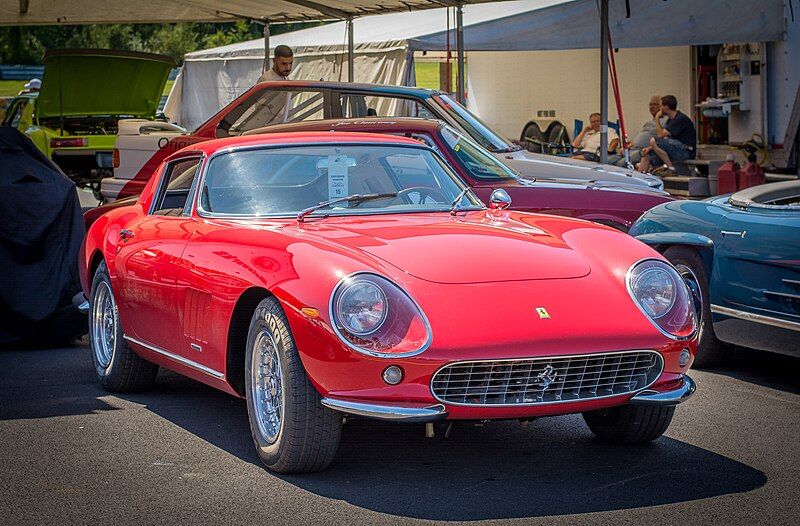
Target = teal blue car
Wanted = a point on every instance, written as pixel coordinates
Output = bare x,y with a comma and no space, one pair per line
740,256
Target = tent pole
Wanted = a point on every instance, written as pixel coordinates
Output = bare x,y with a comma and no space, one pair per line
351,55
267,64
461,96
603,81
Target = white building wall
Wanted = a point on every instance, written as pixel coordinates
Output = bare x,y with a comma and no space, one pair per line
783,76
508,88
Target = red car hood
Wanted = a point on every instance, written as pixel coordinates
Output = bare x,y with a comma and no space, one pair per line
473,249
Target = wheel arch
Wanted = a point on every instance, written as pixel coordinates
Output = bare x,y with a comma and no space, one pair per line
94,263
661,241
237,335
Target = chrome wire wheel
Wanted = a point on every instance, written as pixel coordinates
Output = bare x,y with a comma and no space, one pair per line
104,325
267,386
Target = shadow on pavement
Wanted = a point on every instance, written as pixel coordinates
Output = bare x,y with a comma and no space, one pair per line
42,383
776,371
500,470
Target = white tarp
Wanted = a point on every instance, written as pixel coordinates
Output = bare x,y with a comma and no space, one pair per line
384,44
203,87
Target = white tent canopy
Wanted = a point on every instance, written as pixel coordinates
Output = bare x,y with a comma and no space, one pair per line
384,45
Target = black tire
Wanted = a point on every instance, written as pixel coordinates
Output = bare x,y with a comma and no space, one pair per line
629,424
533,132
307,437
710,351
556,134
123,371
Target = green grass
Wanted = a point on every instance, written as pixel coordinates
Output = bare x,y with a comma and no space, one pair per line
428,74
10,88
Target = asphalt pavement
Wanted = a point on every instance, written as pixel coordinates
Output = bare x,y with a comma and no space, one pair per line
182,454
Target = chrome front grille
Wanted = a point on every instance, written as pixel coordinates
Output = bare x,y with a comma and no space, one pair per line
549,380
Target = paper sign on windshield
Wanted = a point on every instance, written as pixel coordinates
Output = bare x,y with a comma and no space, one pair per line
337,176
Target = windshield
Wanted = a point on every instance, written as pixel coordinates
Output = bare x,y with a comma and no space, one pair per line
477,129
284,181
478,162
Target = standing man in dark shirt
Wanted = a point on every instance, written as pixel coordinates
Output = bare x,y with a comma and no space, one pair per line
675,141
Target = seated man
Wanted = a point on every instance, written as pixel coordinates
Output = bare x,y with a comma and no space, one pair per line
642,139
587,143
675,141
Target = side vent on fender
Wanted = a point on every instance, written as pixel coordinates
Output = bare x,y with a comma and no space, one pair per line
197,315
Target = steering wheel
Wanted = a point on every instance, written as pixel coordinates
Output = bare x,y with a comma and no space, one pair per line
424,193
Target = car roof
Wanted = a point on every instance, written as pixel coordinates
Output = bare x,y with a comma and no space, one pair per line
352,86
383,124
294,138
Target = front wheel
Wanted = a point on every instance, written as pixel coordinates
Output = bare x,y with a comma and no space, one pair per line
292,431
629,424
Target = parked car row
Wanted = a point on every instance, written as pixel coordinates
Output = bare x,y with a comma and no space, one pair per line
331,250
144,144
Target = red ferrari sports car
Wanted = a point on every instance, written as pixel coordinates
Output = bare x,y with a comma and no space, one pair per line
319,276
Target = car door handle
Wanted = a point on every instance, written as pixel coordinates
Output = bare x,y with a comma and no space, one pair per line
125,234
732,233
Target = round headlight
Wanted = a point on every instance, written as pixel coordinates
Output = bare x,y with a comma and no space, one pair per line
655,289
663,297
361,307
374,316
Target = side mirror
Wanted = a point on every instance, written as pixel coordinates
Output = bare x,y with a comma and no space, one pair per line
500,200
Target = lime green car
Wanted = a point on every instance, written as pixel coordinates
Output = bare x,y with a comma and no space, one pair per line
73,119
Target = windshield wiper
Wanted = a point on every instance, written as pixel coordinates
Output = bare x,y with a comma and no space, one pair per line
454,204
353,198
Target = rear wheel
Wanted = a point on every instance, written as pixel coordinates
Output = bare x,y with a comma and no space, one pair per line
689,264
629,424
292,431
118,368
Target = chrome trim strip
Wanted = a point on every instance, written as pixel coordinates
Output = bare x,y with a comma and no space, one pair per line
756,318
783,294
536,404
668,398
387,412
161,188
180,359
641,309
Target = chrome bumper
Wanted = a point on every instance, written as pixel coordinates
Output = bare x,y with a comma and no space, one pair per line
79,302
387,412
667,398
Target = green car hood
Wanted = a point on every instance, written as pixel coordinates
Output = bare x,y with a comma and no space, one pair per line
84,82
